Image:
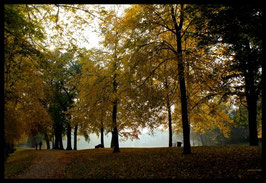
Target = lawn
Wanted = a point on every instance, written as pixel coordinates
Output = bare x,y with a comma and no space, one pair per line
204,162
19,161
236,162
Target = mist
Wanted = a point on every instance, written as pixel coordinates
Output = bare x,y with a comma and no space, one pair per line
158,139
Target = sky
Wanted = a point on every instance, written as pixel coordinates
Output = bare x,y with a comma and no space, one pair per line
93,37
89,31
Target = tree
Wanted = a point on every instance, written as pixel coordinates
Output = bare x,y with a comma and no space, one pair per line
170,86
135,108
106,86
62,69
151,32
24,86
263,119
231,25
161,18
153,22
95,108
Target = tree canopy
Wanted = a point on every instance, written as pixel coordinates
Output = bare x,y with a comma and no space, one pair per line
185,67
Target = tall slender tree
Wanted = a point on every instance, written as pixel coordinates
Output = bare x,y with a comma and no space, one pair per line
163,19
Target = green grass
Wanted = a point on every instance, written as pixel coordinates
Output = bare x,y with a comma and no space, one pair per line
204,162
18,161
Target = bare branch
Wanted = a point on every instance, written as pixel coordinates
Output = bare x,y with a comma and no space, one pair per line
152,72
66,6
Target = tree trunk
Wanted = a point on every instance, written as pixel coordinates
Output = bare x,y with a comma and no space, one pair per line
56,143
53,145
169,121
61,147
252,99
102,137
60,139
252,118
47,141
75,137
182,84
114,115
263,121
112,140
115,133
102,130
202,140
168,106
69,147
47,144
193,138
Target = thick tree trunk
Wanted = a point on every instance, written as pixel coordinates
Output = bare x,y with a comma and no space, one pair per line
75,137
183,96
252,118
114,115
112,140
47,144
252,99
61,147
69,147
60,139
47,141
115,133
182,84
56,143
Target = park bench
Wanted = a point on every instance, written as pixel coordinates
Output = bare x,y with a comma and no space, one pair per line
178,144
99,146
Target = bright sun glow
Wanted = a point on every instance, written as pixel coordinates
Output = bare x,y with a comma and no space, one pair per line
51,48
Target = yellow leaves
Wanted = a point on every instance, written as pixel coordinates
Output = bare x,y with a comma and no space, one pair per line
260,131
24,88
13,124
205,116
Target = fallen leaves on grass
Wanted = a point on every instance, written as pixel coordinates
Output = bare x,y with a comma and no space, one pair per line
234,162
18,162
204,162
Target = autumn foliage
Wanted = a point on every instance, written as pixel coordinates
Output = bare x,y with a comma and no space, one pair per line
185,67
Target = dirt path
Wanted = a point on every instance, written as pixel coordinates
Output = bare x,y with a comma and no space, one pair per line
47,164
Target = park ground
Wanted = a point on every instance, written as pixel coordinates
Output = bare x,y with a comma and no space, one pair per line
233,162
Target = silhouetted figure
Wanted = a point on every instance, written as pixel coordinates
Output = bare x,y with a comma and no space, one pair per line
99,146
36,145
40,145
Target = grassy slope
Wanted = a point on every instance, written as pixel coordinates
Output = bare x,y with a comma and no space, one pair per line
18,161
204,162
